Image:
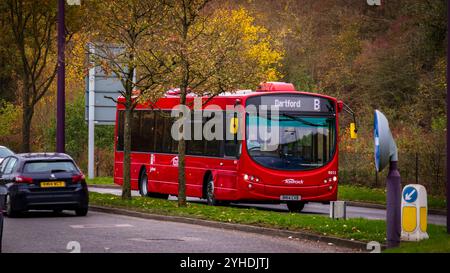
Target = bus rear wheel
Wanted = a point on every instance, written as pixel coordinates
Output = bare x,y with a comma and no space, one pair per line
295,206
210,197
143,184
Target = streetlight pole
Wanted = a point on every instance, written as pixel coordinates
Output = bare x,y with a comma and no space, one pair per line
448,122
61,105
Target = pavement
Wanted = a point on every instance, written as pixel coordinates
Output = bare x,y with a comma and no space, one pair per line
310,208
98,232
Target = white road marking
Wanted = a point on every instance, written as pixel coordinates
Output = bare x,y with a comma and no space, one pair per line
154,239
101,226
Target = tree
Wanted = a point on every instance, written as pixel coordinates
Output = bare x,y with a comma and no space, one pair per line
32,28
120,39
212,51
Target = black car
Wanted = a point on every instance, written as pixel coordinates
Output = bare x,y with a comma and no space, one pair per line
43,181
2,195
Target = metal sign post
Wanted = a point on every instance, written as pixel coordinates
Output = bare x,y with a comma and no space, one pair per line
448,122
99,109
61,104
386,152
91,118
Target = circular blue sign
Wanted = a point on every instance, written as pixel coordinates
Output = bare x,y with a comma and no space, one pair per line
410,194
376,142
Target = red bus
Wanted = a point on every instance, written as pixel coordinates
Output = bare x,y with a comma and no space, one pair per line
303,168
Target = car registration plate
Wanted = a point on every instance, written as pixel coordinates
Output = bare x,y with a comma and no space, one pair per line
290,198
53,184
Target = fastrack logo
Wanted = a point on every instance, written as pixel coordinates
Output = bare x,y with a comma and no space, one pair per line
293,181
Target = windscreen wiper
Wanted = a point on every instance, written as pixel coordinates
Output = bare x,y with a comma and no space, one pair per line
301,120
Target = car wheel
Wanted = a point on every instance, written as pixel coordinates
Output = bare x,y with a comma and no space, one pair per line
295,206
210,197
10,212
81,211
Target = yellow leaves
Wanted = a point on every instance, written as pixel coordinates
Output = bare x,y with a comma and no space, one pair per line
254,48
9,114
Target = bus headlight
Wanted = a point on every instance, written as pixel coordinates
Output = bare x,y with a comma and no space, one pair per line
334,178
251,178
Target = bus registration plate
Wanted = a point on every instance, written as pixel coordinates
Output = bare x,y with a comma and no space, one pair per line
290,198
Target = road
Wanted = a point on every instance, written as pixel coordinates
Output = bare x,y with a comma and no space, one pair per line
310,208
37,232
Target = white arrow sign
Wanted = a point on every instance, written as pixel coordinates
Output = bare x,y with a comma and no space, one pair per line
408,196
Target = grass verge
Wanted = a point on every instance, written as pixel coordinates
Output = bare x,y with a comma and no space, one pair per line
439,242
378,196
100,181
357,229
346,192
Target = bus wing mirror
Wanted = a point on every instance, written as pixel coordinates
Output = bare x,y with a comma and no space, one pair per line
234,125
353,128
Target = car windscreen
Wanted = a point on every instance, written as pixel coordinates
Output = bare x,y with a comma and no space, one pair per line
4,152
49,166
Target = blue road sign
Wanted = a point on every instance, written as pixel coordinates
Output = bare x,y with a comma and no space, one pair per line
376,139
410,194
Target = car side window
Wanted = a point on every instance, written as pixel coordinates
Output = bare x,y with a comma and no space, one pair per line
3,166
10,166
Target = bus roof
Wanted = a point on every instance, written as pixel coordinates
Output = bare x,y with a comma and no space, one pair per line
172,98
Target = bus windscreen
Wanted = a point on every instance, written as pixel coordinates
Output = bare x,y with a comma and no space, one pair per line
303,141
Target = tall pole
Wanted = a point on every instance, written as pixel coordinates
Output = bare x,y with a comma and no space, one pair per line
393,206
61,105
448,122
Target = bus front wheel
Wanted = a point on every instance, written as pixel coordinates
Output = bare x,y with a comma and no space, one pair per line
295,206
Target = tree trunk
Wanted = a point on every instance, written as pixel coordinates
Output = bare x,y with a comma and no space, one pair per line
181,158
27,116
126,187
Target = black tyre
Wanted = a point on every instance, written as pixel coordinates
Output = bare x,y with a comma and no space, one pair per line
209,192
143,187
10,211
295,206
1,231
57,211
143,184
81,211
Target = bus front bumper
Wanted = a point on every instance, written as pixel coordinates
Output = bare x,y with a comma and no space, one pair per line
261,192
